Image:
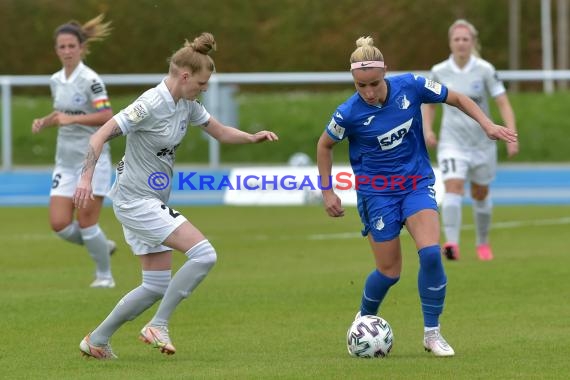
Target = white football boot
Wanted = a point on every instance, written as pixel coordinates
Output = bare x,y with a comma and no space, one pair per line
436,344
98,352
157,337
103,282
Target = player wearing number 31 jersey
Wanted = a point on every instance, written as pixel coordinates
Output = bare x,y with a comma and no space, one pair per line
463,152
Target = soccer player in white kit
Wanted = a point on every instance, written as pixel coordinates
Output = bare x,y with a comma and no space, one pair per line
464,152
155,125
81,106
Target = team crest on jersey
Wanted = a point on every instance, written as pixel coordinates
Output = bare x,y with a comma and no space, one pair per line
183,125
395,136
136,112
403,102
477,86
335,129
78,99
433,86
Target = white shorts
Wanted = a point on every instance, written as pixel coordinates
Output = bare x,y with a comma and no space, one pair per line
64,180
475,165
147,223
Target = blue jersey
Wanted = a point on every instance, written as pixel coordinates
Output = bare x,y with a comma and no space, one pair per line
386,142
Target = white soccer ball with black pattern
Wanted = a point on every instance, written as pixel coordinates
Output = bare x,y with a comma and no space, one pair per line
369,337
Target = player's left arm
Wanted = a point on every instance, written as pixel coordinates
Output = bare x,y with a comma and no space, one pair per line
230,135
508,117
96,93
59,119
469,107
428,115
95,119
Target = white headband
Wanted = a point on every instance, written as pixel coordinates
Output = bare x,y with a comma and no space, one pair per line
365,64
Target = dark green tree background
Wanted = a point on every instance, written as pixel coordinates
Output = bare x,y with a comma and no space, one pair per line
262,35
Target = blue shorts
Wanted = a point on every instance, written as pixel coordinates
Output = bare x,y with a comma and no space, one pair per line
384,215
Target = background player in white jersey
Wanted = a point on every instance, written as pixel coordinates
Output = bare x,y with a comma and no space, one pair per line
155,124
383,124
81,106
463,152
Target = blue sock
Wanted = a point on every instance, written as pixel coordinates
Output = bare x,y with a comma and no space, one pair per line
432,283
375,289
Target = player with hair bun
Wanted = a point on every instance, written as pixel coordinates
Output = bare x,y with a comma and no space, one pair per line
155,125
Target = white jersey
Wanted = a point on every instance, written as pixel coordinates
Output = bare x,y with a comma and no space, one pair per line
154,125
82,93
478,79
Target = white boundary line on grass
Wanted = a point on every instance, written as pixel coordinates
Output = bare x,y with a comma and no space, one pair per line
333,236
497,225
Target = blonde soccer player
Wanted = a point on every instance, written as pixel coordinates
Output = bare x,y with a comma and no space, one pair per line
155,125
382,123
463,151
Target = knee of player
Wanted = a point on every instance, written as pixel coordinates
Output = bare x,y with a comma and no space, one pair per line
59,225
204,253
391,270
211,259
479,193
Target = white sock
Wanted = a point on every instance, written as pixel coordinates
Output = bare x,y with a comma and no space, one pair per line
133,304
427,329
201,258
71,233
451,216
98,248
482,211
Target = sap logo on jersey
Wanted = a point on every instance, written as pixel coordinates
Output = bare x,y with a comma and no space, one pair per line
394,137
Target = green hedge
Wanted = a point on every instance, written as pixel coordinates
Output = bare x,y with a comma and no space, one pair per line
262,35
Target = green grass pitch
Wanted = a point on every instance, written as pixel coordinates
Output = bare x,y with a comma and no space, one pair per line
281,298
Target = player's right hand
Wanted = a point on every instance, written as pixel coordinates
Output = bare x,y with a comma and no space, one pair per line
37,125
332,204
83,194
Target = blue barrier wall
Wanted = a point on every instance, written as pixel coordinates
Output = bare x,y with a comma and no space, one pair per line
540,184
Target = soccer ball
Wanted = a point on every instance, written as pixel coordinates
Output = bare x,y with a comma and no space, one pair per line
369,336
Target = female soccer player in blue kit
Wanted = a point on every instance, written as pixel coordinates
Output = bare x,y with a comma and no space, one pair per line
383,124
